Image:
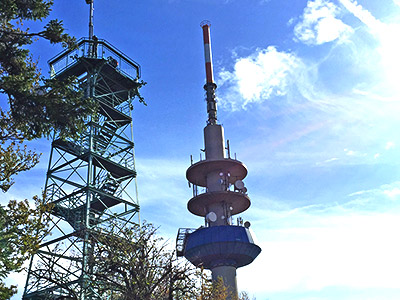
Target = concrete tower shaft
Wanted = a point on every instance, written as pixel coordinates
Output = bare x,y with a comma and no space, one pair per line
219,246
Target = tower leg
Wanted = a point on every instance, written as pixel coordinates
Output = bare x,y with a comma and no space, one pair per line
228,275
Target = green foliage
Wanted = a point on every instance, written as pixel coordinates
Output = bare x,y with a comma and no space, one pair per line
133,263
207,289
244,296
22,9
21,230
7,292
136,265
216,290
14,159
57,105
35,107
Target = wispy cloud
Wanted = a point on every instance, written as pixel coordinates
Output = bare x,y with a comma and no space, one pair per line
386,34
362,14
392,193
163,193
378,197
319,24
309,247
323,105
389,145
314,256
254,79
167,177
272,74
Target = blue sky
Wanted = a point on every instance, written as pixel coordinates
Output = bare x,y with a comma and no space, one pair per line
310,102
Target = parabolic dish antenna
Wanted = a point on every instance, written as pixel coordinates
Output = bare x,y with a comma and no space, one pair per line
239,184
211,217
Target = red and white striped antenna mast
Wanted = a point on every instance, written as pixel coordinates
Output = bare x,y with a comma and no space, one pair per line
210,85
219,246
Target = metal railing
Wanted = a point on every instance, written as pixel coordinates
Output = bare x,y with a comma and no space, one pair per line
181,240
99,49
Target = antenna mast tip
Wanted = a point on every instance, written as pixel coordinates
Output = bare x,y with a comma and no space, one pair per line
205,23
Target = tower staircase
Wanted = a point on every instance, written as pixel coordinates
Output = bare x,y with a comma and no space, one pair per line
87,177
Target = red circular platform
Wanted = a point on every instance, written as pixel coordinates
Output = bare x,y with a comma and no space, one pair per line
238,201
197,173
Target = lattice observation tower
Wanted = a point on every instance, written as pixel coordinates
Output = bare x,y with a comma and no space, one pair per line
87,178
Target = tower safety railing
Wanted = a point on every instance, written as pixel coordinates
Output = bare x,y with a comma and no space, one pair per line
99,49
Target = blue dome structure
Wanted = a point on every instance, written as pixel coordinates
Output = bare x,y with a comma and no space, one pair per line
221,246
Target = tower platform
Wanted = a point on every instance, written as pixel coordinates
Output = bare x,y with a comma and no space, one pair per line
239,202
197,173
215,246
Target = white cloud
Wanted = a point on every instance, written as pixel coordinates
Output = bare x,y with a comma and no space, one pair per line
321,246
167,177
258,77
392,193
163,188
316,252
388,38
331,100
320,25
353,153
327,161
376,198
331,159
389,145
362,14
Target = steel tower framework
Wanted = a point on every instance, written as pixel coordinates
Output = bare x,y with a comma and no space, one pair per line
87,178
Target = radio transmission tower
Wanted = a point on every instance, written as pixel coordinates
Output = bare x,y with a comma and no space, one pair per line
87,178
220,245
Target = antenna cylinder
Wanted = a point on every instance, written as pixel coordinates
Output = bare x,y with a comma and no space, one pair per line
207,52
210,86
90,2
